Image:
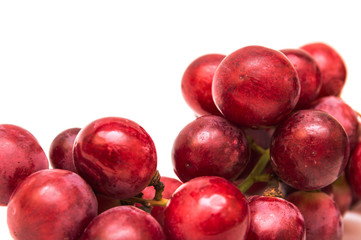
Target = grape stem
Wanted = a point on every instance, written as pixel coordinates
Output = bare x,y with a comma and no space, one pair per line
147,202
256,174
157,185
158,199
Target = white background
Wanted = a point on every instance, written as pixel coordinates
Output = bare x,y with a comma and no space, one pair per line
65,63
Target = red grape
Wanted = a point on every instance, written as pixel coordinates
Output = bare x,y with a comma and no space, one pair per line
60,152
343,113
51,204
308,73
197,84
309,150
124,223
322,217
353,171
210,146
255,87
115,156
207,208
274,218
333,69
20,156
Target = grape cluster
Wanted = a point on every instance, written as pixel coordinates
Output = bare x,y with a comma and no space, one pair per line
273,153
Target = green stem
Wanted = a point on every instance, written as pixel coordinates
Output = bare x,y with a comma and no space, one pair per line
265,177
255,175
255,147
146,202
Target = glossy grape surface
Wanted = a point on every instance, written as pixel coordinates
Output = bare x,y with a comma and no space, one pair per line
51,204
255,86
274,218
20,156
210,146
115,156
309,150
207,208
124,223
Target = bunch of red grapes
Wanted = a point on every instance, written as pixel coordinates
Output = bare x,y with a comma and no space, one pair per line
273,153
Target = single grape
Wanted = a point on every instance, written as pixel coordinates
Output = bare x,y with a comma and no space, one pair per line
207,208
20,156
51,204
116,156
255,87
124,223
343,113
333,69
308,73
210,146
309,150
170,185
322,216
197,84
274,218
61,150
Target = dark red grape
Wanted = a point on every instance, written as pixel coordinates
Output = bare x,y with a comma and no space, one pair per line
333,69
309,150
207,208
343,113
353,171
124,223
210,146
197,84
115,156
20,156
322,217
341,193
61,150
105,202
170,185
308,73
51,204
255,86
274,218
